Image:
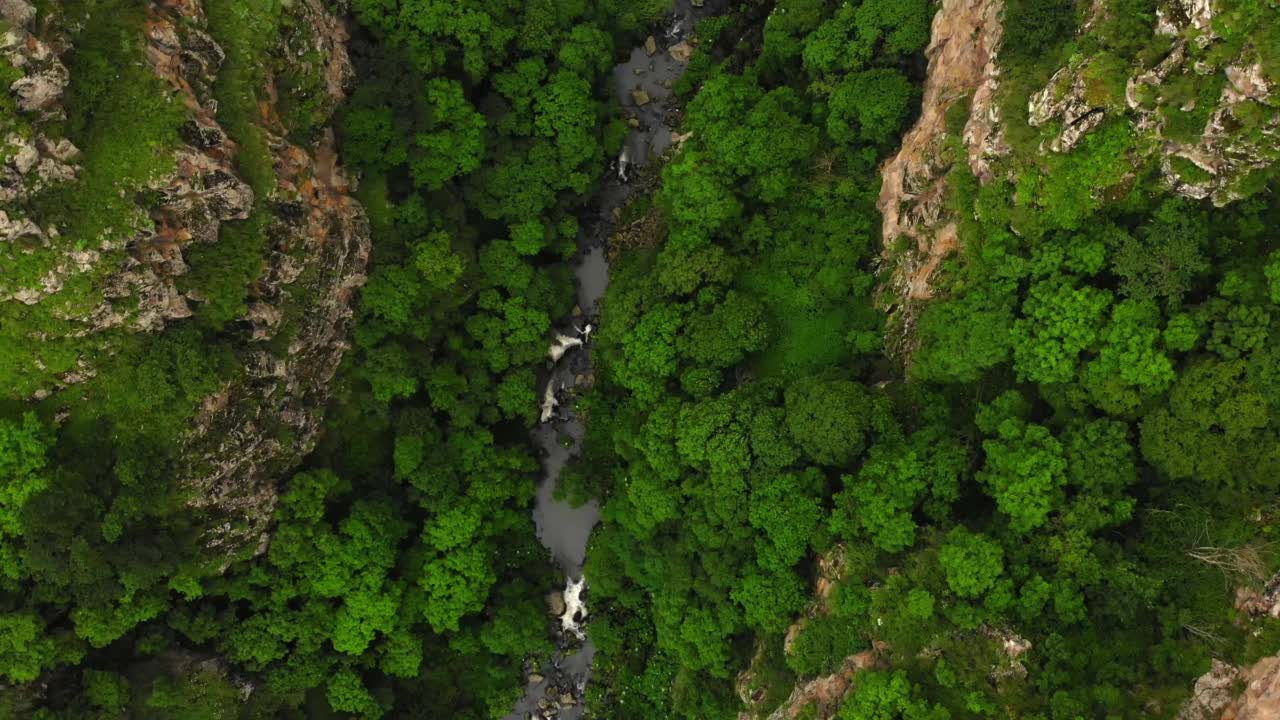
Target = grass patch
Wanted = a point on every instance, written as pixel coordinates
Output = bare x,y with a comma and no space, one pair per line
246,30
1188,171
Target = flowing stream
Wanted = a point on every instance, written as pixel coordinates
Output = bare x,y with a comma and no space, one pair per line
643,86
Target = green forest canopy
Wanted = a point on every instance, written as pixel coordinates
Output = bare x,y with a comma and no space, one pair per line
1094,392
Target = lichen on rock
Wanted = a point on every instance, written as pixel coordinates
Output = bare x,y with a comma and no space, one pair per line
1223,144
135,279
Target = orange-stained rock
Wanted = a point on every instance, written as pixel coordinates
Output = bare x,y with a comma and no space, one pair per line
1261,697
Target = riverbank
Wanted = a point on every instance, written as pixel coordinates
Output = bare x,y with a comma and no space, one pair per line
643,86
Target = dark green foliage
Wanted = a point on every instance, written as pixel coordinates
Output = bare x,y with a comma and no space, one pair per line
828,419
870,106
962,338
883,30
1035,26
1166,254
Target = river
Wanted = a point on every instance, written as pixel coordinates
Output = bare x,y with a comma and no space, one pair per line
642,84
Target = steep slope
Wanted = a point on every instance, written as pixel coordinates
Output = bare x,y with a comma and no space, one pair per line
1188,83
247,231
962,74
1184,91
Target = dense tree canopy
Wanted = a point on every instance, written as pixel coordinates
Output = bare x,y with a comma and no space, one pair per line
1047,491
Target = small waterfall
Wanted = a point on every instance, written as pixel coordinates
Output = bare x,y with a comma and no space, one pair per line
643,86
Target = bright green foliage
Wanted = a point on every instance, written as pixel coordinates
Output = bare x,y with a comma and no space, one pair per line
23,449
862,31
726,335
702,202
347,694
870,106
971,562
785,508
649,352
920,604
247,31
788,30
434,258
1074,183
770,600
1181,332
431,32
1273,277
1028,454
107,691
1024,471
892,484
1215,428
451,142
1100,469
962,338
1059,321
339,586
565,111
893,28
879,695
26,649
755,137
1130,366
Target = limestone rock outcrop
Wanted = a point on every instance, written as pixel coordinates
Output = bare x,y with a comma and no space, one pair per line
1239,134
918,231
294,333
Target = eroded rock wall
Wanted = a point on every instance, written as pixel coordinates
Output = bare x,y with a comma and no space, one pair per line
918,229
293,336
257,428
1240,133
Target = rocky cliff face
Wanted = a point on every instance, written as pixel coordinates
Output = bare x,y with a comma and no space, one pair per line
962,54
1204,110
253,430
30,160
1236,131
820,697
1230,693
1201,106
294,333
918,230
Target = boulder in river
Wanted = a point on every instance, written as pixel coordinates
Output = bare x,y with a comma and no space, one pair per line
681,51
640,97
555,603
650,45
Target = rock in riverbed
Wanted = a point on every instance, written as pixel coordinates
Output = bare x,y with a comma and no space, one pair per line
555,603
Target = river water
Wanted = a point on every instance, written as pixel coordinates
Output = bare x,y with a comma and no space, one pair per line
642,85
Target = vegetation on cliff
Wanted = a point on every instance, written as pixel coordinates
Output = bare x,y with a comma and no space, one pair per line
1024,514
